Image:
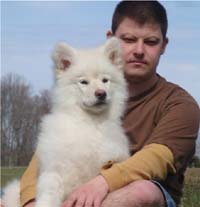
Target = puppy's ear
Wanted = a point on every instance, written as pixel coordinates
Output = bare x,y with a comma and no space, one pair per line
63,56
113,51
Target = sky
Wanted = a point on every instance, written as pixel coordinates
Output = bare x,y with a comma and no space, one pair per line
31,29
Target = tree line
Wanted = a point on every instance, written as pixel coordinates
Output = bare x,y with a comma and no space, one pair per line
21,113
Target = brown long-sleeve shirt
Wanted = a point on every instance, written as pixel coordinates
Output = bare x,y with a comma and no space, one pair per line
165,114
162,124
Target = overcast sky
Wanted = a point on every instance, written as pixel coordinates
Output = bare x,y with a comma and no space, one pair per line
30,30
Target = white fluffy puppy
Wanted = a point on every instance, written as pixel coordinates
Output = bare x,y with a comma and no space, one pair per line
83,131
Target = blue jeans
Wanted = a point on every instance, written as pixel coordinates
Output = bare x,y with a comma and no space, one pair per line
169,201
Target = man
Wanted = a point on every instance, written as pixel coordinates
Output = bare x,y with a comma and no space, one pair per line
161,119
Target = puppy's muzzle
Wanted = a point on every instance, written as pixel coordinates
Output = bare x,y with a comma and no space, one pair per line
100,95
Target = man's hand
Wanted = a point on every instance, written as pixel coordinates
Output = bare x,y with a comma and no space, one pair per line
30,204
90,194
1,203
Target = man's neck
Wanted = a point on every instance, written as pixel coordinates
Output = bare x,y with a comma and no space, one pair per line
137,88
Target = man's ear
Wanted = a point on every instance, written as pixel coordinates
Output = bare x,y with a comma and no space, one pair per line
63,57
109,34
165,43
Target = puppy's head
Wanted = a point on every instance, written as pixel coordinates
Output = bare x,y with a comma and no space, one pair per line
64,56
90,78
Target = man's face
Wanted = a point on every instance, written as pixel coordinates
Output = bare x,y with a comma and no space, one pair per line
142,46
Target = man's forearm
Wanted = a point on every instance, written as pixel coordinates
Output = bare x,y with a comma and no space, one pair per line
154,161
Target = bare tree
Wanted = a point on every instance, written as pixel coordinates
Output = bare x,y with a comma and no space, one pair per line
198,145
21,113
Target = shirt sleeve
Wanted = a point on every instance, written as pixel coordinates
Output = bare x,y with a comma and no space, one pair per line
154,161
28,182
169,148
178,130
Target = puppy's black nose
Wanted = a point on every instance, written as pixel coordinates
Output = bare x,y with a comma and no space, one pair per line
100,94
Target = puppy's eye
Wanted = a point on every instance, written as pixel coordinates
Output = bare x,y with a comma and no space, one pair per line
84,82
105,80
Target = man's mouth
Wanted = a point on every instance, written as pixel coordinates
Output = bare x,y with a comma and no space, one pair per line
137,62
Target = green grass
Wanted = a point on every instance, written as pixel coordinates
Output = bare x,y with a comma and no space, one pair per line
191,196
10,173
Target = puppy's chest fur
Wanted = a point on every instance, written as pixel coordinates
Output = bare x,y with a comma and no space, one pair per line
77,149
80,139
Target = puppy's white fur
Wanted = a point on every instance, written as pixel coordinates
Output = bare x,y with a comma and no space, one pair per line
83,132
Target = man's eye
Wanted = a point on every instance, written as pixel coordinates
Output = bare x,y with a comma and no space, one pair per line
84,82
128,40
152,42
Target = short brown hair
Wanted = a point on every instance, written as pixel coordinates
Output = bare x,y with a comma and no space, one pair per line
142,12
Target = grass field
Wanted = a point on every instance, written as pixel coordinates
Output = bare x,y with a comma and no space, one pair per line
191,197
8,174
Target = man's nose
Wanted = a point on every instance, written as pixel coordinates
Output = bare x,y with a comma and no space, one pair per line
139,49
